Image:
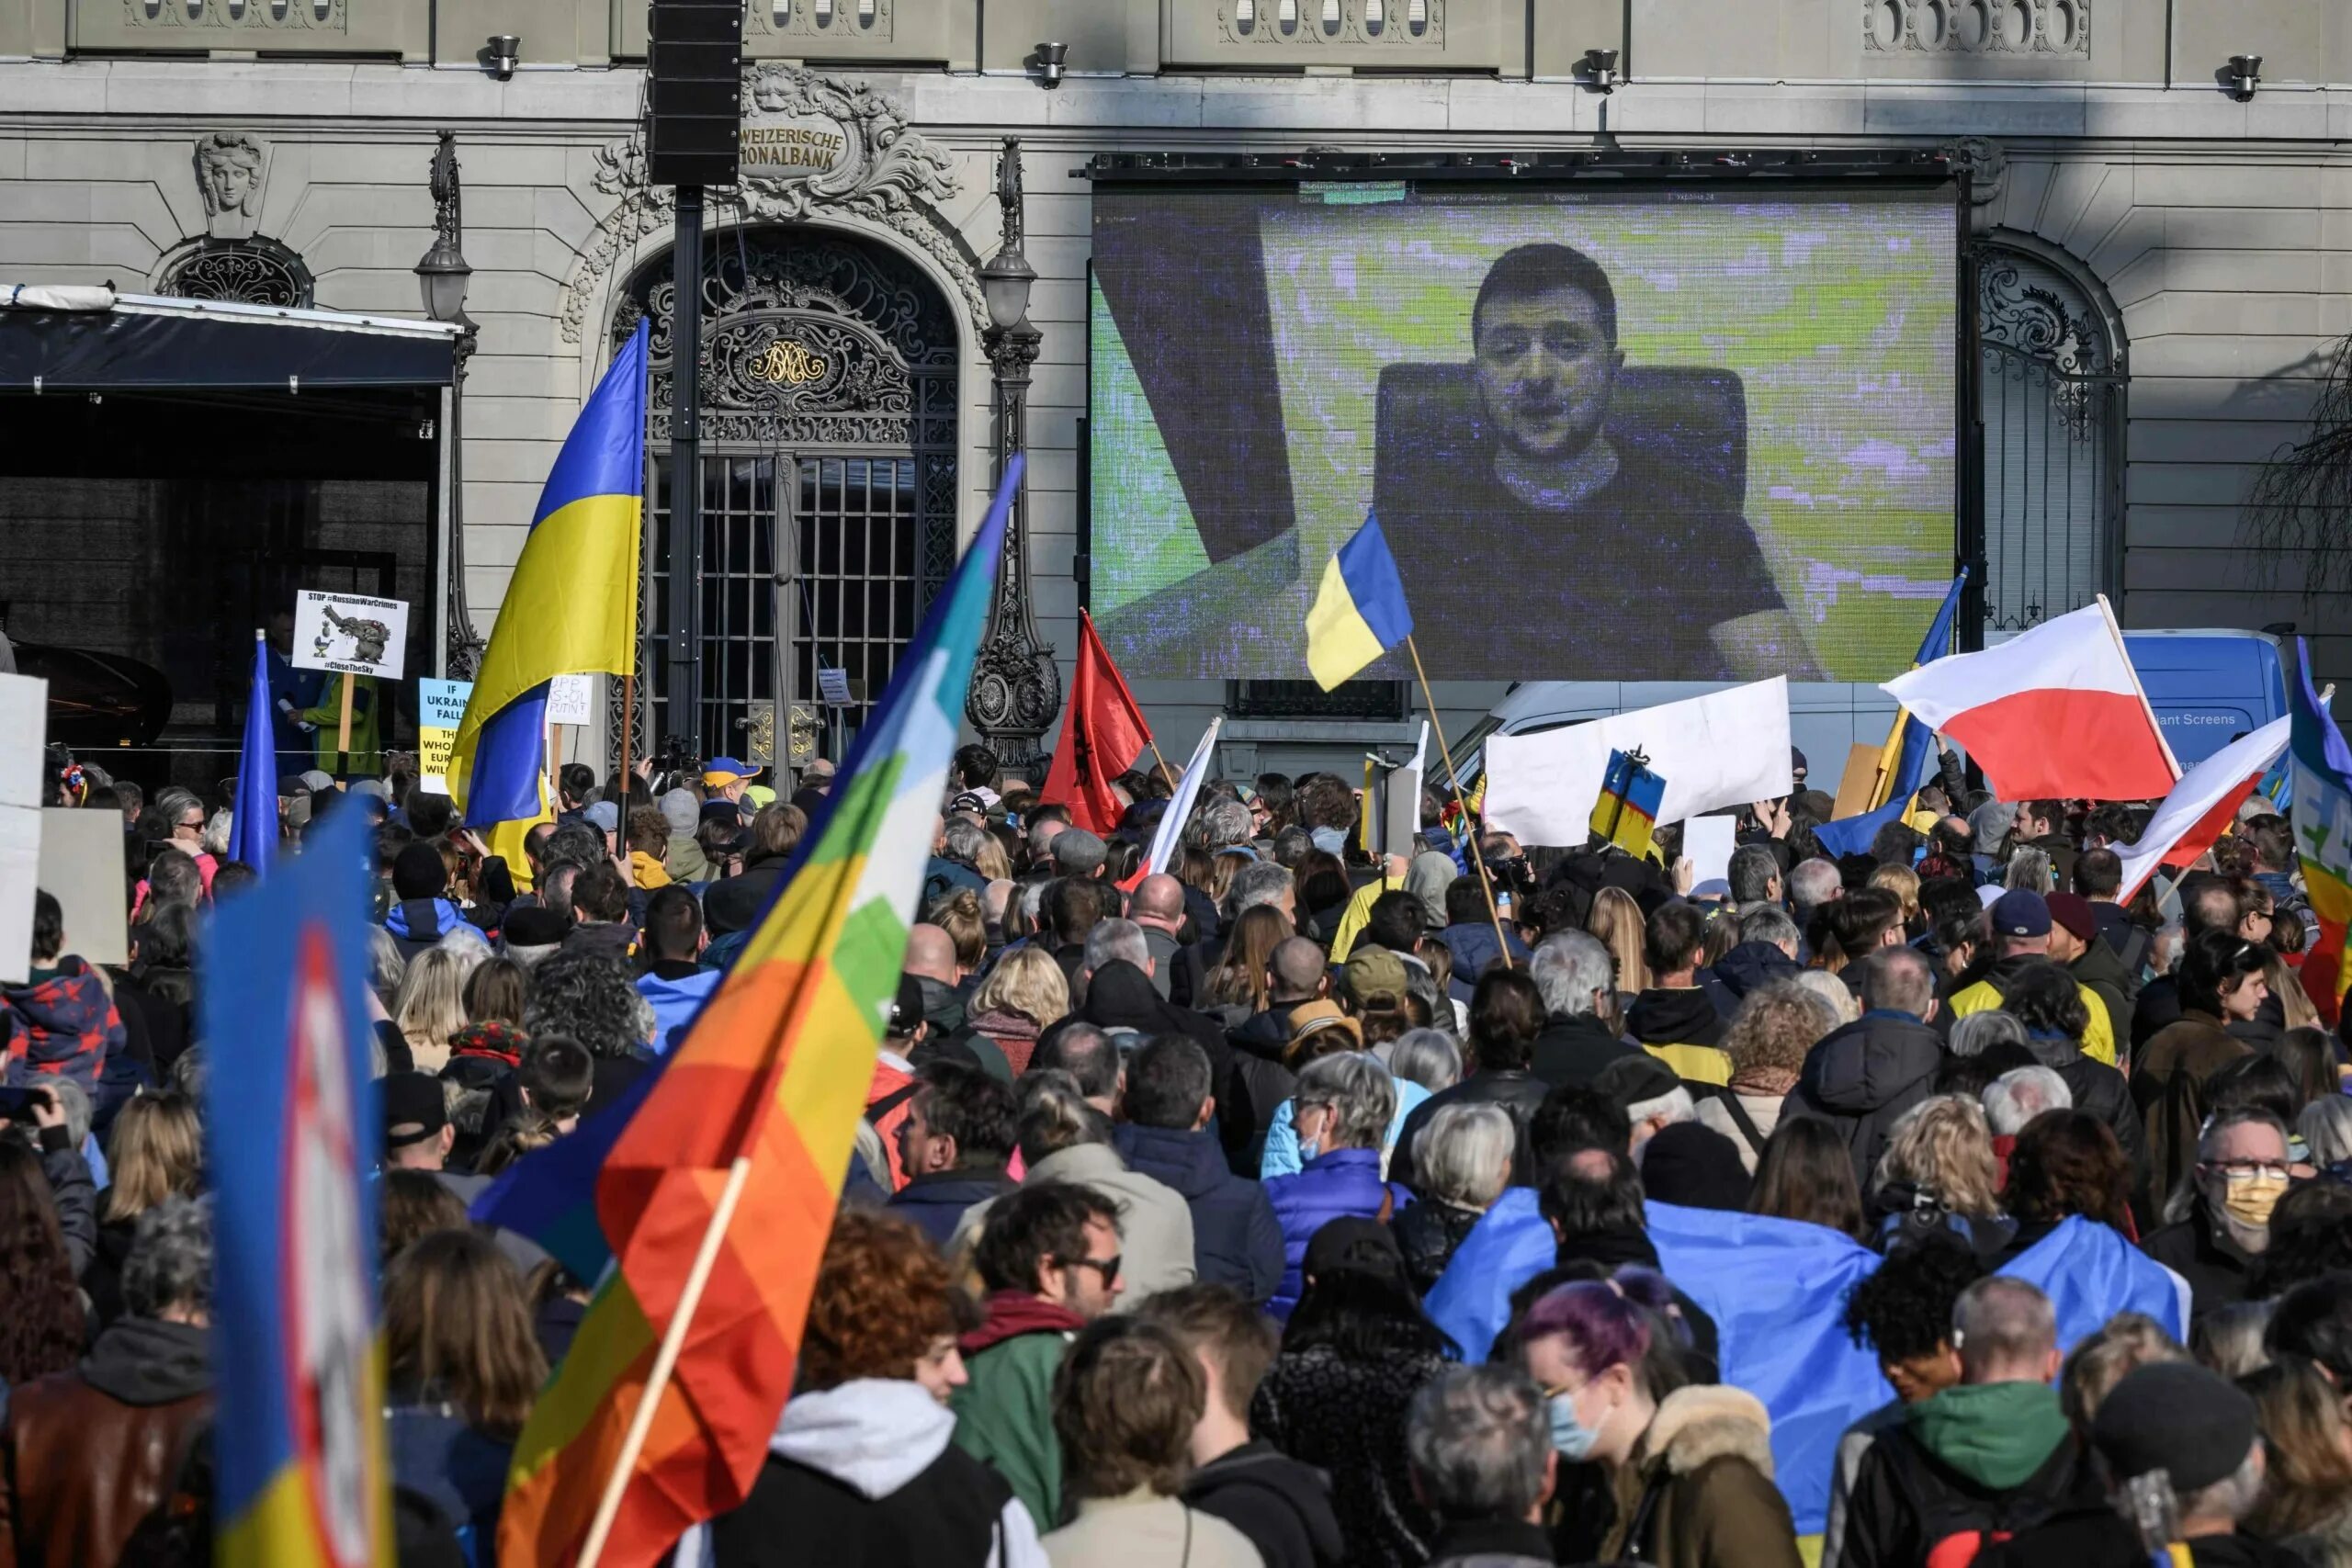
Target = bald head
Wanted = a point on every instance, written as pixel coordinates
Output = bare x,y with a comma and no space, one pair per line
930,954
1296,968
1158,901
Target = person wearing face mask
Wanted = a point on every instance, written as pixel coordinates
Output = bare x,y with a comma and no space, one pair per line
1688,1467
861,1469
2220,1217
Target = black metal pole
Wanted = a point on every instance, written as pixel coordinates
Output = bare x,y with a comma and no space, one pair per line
684,691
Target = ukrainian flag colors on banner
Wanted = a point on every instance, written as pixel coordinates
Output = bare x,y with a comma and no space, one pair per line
762,1099
291,1130
570,607
1627,809
1360,611
2321,774
1910,750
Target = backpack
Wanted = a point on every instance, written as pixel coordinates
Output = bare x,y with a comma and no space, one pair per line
1953,1524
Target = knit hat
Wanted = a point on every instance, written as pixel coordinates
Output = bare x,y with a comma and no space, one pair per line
1354,1243
1695,1167
2074,911
680,810
318,779
2178,1417
533,925
1373,970
417,872
1078,853
2021,912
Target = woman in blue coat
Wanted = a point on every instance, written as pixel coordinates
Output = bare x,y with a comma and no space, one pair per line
1341,1109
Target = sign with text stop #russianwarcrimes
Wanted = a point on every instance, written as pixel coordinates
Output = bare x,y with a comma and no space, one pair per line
349,633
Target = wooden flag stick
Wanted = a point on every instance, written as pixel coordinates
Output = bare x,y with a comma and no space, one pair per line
665,1361
1477,850
629,726
342,732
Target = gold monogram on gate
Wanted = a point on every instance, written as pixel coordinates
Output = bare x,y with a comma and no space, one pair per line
786,363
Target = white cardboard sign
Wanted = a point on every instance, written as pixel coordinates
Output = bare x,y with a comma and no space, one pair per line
570,698
350,633
81,867
23,725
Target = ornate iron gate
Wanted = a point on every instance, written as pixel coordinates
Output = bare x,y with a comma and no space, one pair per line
829,475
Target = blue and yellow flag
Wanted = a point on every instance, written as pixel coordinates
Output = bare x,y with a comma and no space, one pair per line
1627,809
1360,611
572,604
292,1130
1908,754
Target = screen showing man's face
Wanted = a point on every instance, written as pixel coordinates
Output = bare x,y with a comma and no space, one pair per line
1544,370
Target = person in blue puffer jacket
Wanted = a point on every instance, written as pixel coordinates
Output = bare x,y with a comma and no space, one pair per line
1341,1108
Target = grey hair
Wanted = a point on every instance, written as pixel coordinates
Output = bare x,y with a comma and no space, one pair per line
216,834
171,1259
1115,940
2182,1201
1675,1105
2002,1324
74,1102
192,1066
1751,872
1769,922
2028,869
2326,1126
1569,967
469,942
1260,882
1833,993
1358,1087
1478,1437
1031,896
173,799
1224,822
965,839
2232,1498
1464,1154
1980,1031
1899,978
386,968
1814,882
1428,1057
2020,1095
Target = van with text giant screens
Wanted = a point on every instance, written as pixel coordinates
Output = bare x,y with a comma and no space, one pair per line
2207,688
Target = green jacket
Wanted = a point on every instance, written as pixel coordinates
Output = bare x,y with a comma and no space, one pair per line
1004,1416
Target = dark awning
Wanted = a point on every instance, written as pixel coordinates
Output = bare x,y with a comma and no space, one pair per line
142,341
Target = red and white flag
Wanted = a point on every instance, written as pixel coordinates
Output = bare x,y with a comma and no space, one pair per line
2055,713
2201,806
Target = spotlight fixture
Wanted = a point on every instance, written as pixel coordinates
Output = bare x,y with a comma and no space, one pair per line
1600,69
1050,57
505,51
2246,76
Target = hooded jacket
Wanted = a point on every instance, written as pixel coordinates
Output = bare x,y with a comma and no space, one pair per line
1748,965
868,1469
415,924
1861,1077
675,991
60,1021
1236,1241
1283,1506
1155,1224
1680,1027
2098,1039
1978,1462
1004,1416
1698,1492
1344,1181
1119,995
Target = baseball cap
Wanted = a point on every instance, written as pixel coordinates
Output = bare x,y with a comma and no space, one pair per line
374,789
906,1008
2074,911
318,779
1373,970
2021,912
726,771
603,815
414,1108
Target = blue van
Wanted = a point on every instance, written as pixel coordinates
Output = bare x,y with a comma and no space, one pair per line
2208,687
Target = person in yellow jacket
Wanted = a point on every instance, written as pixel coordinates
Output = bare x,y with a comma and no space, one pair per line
1673,1019
366,755
2022,928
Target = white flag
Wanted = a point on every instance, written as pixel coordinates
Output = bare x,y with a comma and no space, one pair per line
1180,806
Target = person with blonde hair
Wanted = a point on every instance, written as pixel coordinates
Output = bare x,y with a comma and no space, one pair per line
1617,920
1025,994
1939,1173
2306,1502
432,1005
1904,883
156,1151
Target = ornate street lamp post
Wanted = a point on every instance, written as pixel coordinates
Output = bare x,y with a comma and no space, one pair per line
1016,691
442,275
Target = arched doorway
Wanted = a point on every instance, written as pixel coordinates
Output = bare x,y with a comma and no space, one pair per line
2051,395
829,413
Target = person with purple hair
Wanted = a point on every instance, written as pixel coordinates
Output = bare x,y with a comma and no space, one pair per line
1689,1466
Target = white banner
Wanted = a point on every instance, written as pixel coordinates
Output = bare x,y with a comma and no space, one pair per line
1725,749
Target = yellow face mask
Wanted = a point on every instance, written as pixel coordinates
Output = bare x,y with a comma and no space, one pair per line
2249,1198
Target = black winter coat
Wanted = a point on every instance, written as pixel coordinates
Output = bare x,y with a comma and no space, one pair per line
2099,1090
1346,1415
1575,1050
1426,1233
1236,1241
1862,1076
1516,1092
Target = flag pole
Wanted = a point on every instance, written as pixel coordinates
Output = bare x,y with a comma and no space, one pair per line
1477,851
665,1361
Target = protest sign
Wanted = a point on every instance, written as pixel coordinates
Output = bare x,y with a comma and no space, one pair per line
81,867
832,687
1707,843
571,699
349,633
1402,803
440,706
1727,748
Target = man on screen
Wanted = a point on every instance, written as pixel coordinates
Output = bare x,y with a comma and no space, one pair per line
1553,529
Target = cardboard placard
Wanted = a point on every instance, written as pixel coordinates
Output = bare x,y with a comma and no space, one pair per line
832,687
440,708
1860,783
1403,800
19,877
81,867
571,699
24,724
1707,843
349,633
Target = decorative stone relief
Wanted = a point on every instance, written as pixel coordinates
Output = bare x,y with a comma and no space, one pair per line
884,171
821,21
242,15
2044,27
258,271
1307,23
232,169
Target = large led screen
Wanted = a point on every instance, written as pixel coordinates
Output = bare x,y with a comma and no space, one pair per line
1621,433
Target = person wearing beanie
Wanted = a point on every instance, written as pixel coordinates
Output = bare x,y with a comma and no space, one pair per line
1695,1167
2075,946
2022,922
683,859
531,933
420,916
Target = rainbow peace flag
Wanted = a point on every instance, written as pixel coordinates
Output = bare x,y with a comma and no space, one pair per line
570,606
762,1098
1627,809
1360,611
2321,777
291,1129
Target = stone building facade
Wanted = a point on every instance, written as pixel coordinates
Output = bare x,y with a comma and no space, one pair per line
2167,261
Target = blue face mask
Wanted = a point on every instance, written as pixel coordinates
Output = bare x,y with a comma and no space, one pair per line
1570,1437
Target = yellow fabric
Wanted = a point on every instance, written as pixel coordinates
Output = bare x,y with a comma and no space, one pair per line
367,724
1353,919
1694,1064
2098,1040
647,872
506,839
1340,642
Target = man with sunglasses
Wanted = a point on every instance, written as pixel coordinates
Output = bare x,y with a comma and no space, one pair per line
1049,1258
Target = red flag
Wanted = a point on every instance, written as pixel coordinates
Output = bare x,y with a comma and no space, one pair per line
1102,735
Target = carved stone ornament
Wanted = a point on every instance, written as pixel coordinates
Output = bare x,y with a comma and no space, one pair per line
884,172
232,169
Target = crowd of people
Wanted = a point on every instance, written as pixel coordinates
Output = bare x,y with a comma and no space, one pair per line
1166,1236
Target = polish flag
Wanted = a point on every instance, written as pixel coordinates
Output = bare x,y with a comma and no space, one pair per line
2201,806
2055,713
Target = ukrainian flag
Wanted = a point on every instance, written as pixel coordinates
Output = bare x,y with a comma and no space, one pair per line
1627,810
1360,611
572,604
